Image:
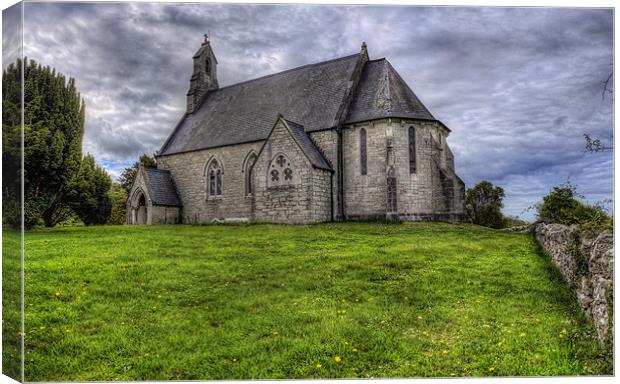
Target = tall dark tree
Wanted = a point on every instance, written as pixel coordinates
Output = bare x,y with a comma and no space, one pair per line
11,145
483,204
53,129
129,174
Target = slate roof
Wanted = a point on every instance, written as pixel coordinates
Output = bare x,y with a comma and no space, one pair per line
381,93
307,145
161,187
245,112
311,95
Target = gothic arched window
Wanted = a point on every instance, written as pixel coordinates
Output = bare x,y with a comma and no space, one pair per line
214,178
363,159
249,163
411,150
280,172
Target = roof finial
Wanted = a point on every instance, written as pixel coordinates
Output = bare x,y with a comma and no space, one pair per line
364,46
206,35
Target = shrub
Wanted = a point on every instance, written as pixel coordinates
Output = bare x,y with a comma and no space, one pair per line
561,206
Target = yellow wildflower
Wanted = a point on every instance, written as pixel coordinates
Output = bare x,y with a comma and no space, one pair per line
354,349
275,333
491,369
445,351
522,334
318,365
57,293
419,317
338,359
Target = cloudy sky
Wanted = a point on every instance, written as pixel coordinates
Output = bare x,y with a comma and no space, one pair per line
517,86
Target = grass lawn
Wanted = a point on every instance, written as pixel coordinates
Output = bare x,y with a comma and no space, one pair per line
322,301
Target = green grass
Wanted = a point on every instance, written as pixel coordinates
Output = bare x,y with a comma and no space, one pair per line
269,301
11,304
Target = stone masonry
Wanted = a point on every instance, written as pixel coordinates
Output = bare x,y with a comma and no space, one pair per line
586,263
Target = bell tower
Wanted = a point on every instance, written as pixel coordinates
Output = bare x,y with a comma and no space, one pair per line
204,76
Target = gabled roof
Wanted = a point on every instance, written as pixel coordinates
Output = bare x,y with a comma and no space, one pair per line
162,190
245,112
307,146
313,95
382,93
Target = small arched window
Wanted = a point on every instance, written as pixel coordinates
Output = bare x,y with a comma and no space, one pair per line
214,174
411,150
249,164
363,159
207,65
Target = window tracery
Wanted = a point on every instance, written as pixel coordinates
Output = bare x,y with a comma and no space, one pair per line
281,172
214,175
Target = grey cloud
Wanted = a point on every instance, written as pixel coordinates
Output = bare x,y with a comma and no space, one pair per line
517,86
11,34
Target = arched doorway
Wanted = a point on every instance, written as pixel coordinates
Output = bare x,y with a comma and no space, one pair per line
141,210
137,208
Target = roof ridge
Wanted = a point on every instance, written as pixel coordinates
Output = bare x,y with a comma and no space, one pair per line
287,70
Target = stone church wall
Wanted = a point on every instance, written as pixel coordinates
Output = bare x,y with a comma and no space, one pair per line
327,141
188,172
161,214
300,202
364,195
321,196
432,192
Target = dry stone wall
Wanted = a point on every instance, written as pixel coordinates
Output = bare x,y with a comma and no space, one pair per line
586,262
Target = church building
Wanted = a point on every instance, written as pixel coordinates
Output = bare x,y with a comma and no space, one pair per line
343,139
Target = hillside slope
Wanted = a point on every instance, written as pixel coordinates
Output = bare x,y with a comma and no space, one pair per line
270,301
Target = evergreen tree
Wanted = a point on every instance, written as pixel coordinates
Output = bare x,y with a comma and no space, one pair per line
88,196
129,174
118,196
53,130
11,144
